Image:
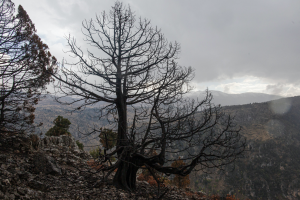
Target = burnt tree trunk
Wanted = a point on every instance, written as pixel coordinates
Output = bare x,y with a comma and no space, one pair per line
125,177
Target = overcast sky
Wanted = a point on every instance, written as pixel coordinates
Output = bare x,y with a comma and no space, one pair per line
234,46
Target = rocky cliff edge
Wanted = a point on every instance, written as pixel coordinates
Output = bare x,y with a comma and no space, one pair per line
54,168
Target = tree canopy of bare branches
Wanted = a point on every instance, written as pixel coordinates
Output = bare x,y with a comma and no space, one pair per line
26,65
133,69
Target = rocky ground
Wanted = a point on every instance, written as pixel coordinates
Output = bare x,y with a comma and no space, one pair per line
54,168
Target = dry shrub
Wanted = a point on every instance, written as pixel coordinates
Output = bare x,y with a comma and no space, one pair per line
146,176
215,197
228,197
152,181
141,177
180,181
165,181
94,165
189,194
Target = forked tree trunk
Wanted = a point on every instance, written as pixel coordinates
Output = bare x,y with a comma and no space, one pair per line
125,177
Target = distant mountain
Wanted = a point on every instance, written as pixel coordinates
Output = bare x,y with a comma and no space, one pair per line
226,99
85,120
50,100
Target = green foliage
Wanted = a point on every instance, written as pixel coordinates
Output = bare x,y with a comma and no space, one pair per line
108,138
79,144
61,126
26,68
112,159
95,152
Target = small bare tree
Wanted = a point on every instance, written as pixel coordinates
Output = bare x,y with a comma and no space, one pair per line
133,69
26,65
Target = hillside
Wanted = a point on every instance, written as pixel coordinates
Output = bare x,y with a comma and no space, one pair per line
85,120
270,169
226,99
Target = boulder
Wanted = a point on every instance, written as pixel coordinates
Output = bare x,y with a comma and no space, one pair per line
45,164
62,141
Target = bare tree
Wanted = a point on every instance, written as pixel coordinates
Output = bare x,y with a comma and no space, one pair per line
132,68
26,65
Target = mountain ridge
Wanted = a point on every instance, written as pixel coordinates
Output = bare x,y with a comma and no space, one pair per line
226,99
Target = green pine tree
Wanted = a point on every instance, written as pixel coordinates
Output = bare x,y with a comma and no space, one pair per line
108,138
61,126
79,144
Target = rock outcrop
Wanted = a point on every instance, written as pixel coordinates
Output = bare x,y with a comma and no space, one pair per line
54,168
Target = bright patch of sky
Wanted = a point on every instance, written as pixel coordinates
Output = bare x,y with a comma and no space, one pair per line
233,86
247,84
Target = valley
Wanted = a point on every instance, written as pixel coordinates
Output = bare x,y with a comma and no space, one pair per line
269,169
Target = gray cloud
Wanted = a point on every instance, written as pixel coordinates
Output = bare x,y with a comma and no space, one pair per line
227,89
220,39
275,89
